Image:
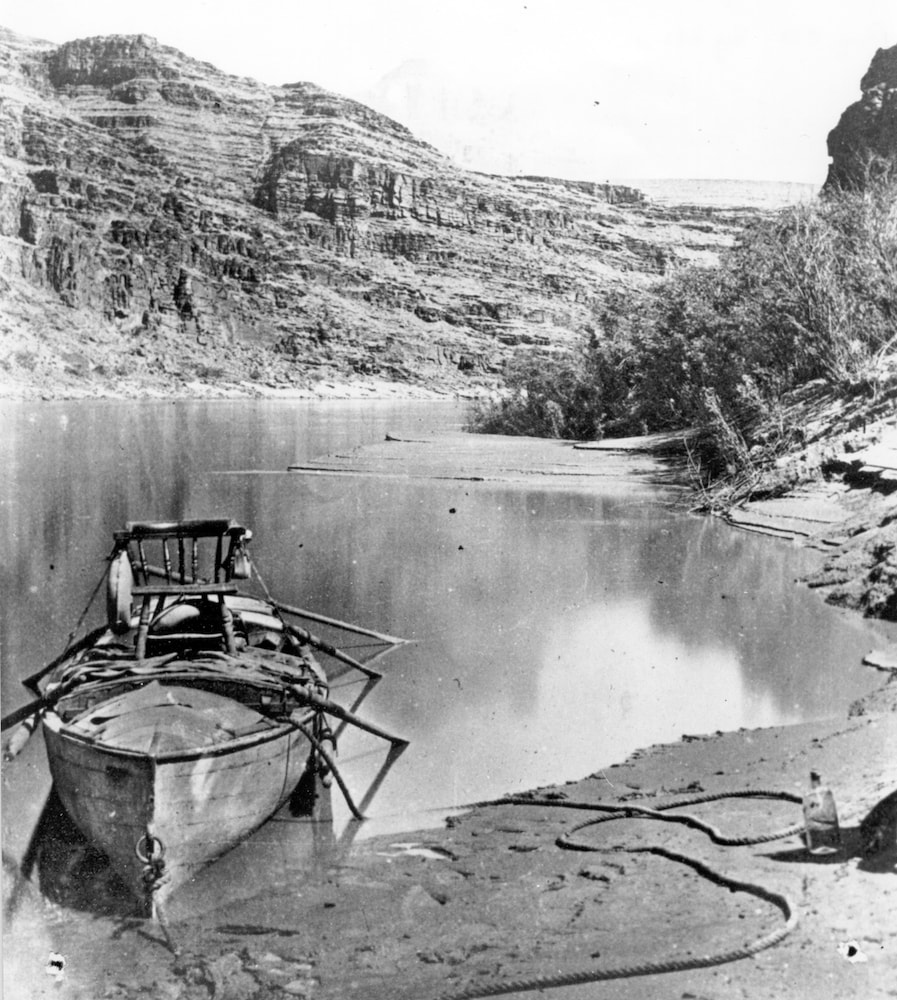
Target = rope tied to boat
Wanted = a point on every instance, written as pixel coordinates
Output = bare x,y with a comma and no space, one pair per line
617,811
90,600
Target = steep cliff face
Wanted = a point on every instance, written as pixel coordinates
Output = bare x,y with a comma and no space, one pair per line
161,219
868,128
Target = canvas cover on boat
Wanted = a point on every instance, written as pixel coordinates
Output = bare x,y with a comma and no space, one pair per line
162,718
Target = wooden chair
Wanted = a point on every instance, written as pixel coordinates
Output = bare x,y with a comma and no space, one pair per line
210,555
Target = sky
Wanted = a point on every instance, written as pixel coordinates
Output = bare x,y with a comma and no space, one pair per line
591,90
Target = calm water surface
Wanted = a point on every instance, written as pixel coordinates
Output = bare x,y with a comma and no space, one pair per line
554,631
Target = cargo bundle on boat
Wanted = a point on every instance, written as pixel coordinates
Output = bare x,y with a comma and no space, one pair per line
189,718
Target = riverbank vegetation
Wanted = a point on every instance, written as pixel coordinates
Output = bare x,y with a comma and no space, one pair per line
808,294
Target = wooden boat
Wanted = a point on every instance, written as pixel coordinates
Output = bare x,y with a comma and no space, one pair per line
182,724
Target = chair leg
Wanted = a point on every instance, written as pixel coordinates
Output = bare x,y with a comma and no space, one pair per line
143,627
227,627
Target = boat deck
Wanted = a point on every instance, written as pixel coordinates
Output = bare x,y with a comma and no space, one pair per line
161,718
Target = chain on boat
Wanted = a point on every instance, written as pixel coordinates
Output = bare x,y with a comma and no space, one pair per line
150,853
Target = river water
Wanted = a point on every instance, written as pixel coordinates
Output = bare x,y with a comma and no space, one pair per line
554,631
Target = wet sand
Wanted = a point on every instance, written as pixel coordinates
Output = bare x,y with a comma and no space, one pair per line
492,899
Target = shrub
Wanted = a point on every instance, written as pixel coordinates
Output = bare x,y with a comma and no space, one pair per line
807,293
574,395
547,396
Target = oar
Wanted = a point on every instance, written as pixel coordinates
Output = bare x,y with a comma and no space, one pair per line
334,770
337,711
49,700
313,640
313,616
82,643
326,647
20,714
33,708
362,694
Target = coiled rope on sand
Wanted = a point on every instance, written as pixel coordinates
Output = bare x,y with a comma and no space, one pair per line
617,811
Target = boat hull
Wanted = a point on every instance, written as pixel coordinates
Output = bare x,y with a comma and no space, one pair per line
183,724
160,819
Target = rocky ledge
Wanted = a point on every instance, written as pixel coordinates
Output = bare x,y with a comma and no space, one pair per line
866,136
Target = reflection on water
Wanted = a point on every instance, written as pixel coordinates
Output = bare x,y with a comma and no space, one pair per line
558,632
554,631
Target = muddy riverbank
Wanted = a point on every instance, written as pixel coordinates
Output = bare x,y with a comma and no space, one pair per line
491,899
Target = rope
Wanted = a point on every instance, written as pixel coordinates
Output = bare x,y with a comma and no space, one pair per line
90,601
266,592
616,811
102,667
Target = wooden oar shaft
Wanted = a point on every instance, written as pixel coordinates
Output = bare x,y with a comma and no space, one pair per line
313,616
326,647
337,711
20,714
33,707
76,647
49,699
334,770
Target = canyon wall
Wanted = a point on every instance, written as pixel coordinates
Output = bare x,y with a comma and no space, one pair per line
161,220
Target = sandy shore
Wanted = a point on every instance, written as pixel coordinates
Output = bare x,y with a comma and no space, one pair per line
492,899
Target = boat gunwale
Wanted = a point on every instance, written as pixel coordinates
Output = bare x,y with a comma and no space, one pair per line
189,678
62,729
179,672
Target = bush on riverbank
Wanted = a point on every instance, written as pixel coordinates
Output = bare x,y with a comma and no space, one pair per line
808,293
561,395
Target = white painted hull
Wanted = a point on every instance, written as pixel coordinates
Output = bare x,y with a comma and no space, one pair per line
197,804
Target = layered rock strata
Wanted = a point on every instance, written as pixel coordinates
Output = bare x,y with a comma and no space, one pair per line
158,215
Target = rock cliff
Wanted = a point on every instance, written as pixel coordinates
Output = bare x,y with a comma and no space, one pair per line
164,225
867,130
